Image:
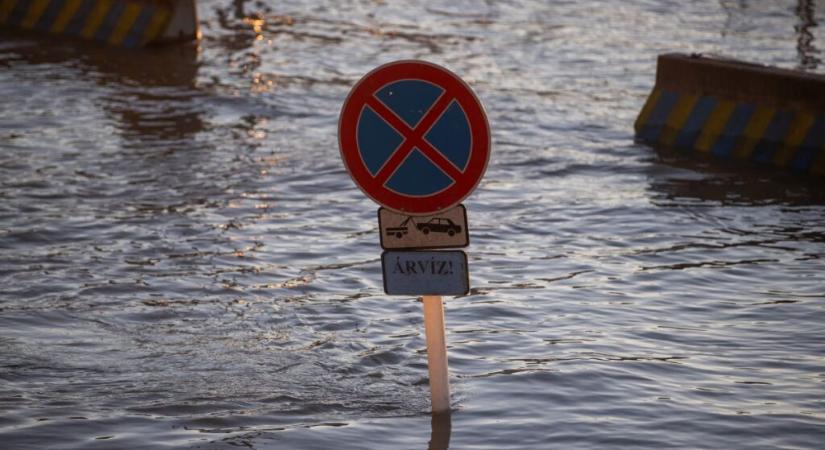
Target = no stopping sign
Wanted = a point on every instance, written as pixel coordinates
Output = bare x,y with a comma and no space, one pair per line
414,137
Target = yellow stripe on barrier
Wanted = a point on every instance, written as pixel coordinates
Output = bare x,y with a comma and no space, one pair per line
647,110
714,125
66,14
6,6
156,26
35,11
95,18
677,118
125,23
757,125
793,139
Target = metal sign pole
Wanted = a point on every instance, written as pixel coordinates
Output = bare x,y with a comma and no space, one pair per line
436,353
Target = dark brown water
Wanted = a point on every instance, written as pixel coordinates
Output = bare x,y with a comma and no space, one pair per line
185,264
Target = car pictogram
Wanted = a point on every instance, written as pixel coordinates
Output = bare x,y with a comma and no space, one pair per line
439,225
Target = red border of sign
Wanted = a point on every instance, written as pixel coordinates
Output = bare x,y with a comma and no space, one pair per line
363,92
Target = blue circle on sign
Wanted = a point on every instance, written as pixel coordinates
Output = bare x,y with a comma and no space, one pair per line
449,134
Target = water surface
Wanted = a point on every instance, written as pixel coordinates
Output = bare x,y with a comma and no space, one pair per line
185,263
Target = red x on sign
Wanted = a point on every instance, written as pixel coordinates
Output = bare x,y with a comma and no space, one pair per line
414,137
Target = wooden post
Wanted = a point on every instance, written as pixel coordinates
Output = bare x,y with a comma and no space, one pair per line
436,353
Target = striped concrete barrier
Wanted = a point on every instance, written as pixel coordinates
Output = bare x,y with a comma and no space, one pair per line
733,109
126,23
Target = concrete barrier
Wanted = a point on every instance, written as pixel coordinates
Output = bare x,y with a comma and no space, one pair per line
735,109
126,23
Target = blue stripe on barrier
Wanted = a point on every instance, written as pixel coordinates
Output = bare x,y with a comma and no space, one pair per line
658,117
46,20
774,136
18,13
733,130
110,21
135,35
697,118
811,146
75,25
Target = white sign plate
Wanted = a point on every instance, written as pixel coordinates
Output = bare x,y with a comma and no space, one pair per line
425,272
447,229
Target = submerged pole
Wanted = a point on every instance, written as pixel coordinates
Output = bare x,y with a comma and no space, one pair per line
436,353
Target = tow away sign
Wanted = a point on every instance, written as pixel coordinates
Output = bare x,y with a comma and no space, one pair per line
447,229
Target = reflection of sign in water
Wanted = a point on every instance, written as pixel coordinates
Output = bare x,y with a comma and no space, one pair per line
414,137
447,229
425,273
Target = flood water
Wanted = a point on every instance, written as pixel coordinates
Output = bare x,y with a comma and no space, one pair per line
184,262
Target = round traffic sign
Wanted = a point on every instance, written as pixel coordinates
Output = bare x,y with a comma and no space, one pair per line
414,137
